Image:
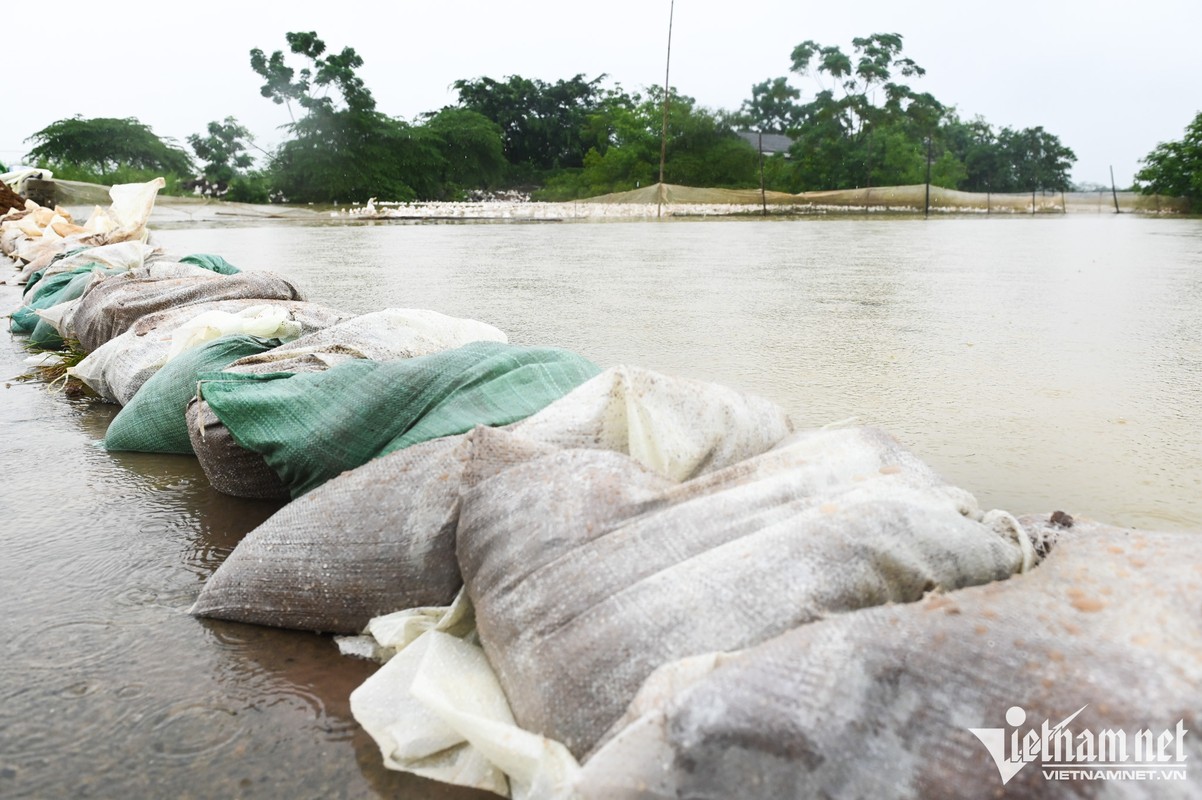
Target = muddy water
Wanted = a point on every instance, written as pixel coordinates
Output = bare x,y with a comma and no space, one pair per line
1048,363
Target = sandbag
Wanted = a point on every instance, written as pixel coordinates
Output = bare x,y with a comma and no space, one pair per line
112,306
119,257
588,571
883,702
387,335
56,289
230,468
311,426
119,367
382,537
154,419
211,262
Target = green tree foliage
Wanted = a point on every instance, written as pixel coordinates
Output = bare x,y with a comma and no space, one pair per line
472,151
1008,160
1175,168
342,149
866,127
855,130
223,151
105,145
702,148
772,107
544,126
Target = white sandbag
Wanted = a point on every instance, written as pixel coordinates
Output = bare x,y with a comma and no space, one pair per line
267,321
323,563
132,204
436,709
451,682
119,367
121,256
387,335
618,570
899,701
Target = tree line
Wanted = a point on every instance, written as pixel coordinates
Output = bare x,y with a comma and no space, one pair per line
577,137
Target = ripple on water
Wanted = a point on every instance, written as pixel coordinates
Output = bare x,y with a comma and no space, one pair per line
66,644
189,730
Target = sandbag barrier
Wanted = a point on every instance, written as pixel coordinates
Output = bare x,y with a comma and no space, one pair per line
588,583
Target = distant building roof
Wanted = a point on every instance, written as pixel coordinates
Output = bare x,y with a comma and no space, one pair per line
773,142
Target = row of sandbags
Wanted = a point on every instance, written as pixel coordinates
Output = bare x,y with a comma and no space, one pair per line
35,236
620,583
281,394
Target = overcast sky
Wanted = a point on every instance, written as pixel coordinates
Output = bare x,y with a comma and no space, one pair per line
1111,79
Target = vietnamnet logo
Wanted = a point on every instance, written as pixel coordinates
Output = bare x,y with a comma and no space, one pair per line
1108,755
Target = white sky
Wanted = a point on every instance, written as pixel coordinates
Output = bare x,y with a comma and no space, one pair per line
1111,79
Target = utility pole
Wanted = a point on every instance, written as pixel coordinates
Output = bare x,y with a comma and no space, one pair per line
926,209
663,139
763,195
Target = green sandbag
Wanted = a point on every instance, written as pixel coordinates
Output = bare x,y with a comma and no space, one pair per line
211,262
36,277
310,427
153,421
58,288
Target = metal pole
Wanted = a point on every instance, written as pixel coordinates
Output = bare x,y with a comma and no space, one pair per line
763,194
663,140
926,210
1113,191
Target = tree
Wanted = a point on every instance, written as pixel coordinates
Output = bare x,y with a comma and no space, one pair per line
836,146
342,149
223,151
1035,160
544,126
104,144
702,148
471,147
771,108
1175,168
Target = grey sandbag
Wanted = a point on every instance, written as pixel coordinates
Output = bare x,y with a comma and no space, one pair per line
338,556
154,419
880,703
588,571
112,306
382,537
230,468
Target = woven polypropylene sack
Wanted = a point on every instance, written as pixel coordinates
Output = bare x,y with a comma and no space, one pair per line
119,367
53,290
1105,634
211,262
387,335
322,563
311,426
112,306
154,419
373,540
230,468
588,571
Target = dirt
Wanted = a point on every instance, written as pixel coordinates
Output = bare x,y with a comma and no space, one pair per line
10,199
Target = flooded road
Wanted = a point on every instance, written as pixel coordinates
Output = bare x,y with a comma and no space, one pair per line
1049,363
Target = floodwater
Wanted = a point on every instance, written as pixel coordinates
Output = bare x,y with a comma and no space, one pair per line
1046,363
